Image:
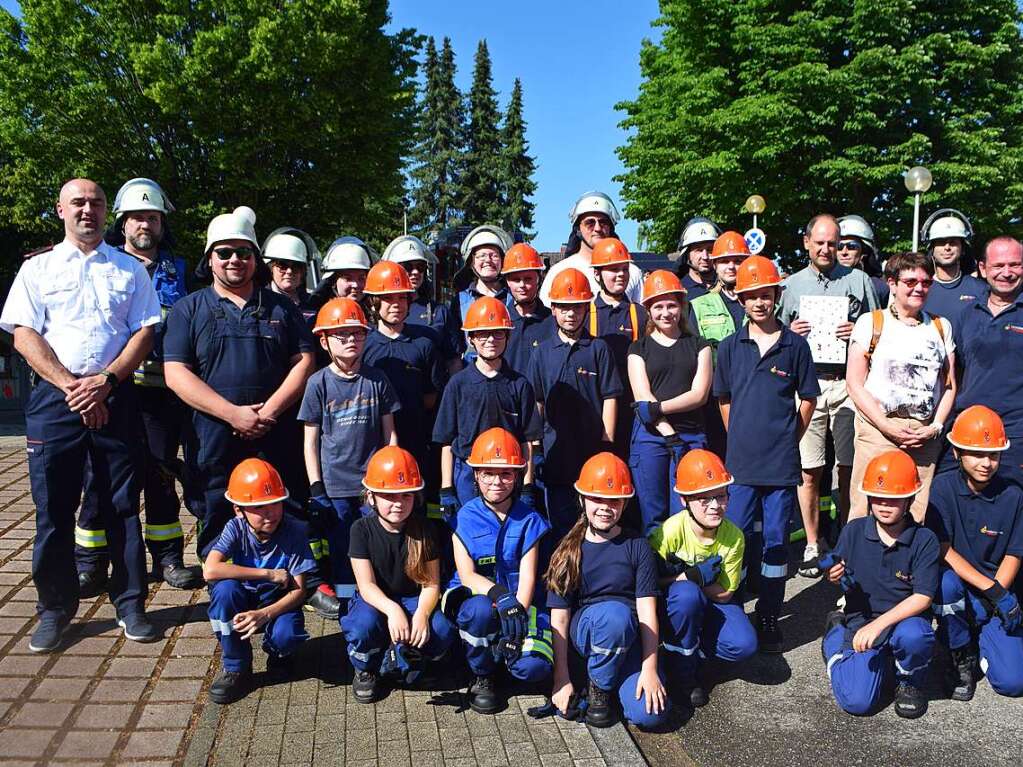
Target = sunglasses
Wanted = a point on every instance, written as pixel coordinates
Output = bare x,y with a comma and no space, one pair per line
850,245
285,266
225,254
593,222
912,282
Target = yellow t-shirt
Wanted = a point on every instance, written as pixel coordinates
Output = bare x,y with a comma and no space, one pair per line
675,536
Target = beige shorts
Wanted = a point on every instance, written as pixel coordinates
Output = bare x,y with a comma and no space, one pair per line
870,443
833,411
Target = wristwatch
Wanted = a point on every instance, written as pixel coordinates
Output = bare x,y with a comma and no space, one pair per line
112,379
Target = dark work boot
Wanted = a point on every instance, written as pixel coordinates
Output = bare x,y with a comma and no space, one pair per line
365,686
910,701
483,698
230,686
599,710
769,636
91,583
959,674
324,602
173,572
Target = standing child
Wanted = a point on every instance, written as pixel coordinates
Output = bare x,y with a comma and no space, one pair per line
618,322
702,557
348,410
522,270
887,565
256,570
395,556
577,387
602,593
670,372
484,394
978,518
762,370
492,598
409,355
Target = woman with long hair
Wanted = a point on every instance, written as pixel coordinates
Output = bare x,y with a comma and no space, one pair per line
602,593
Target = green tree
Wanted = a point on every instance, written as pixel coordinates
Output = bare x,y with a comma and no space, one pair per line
481,178
517,182
821,106
301,110
436,160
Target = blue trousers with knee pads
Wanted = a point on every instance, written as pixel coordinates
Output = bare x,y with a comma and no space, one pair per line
479,627
653,473
282,636
961,614
858,678
766,542
365,630
606,634
701,627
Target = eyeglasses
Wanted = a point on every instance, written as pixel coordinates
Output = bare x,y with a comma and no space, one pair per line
285,266
348,335
594,221
486,335
718,500
494,478
487,255
912,282
850,245
243,253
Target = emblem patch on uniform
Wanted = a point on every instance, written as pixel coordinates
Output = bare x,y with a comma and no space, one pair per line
990,533
584,372
904,577
967,298
779,372
1014,329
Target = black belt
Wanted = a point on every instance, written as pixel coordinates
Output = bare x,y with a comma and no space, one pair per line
831,376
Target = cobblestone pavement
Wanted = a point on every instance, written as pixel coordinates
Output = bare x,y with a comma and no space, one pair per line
104,700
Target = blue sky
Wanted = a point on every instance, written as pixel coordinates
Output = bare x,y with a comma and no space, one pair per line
575,59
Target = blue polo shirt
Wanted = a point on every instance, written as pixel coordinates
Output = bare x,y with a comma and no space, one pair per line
693,288
572,380
949,299
763,410
989,362
412,363
885,576
460,304
473,403
615,328
526,335
431,314
982,527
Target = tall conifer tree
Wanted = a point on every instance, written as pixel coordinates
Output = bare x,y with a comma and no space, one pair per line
481,180
518,167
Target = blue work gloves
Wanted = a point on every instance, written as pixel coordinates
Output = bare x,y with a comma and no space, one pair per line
448,502
514,621
648,412
829,560
704,573
1003,604
677,446
402,663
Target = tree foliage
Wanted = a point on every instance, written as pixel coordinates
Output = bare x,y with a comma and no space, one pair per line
481,185
299,109
518,167
437,158
821,106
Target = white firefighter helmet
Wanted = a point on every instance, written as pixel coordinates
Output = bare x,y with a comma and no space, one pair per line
857,226
945,224
240,224
487,234
347,253
698,229
141,194
594,202
289,244
407,248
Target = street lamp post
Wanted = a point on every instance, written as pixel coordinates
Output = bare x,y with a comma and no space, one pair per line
755,204
918,180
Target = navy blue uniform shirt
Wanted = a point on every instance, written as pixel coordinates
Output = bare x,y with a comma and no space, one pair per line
693,288
623,569
412,363
949,299
242,353
572,380
473,403
989,362
763,410
982,527
885,576
430,314
614,327
526,335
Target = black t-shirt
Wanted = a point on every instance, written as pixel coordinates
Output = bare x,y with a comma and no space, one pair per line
670,370
387,552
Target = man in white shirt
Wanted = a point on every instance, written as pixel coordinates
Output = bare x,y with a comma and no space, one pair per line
82,316
593,218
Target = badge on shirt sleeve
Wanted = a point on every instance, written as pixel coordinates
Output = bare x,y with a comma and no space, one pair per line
904,577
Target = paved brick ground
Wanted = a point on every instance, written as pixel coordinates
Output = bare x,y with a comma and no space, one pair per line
106,701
